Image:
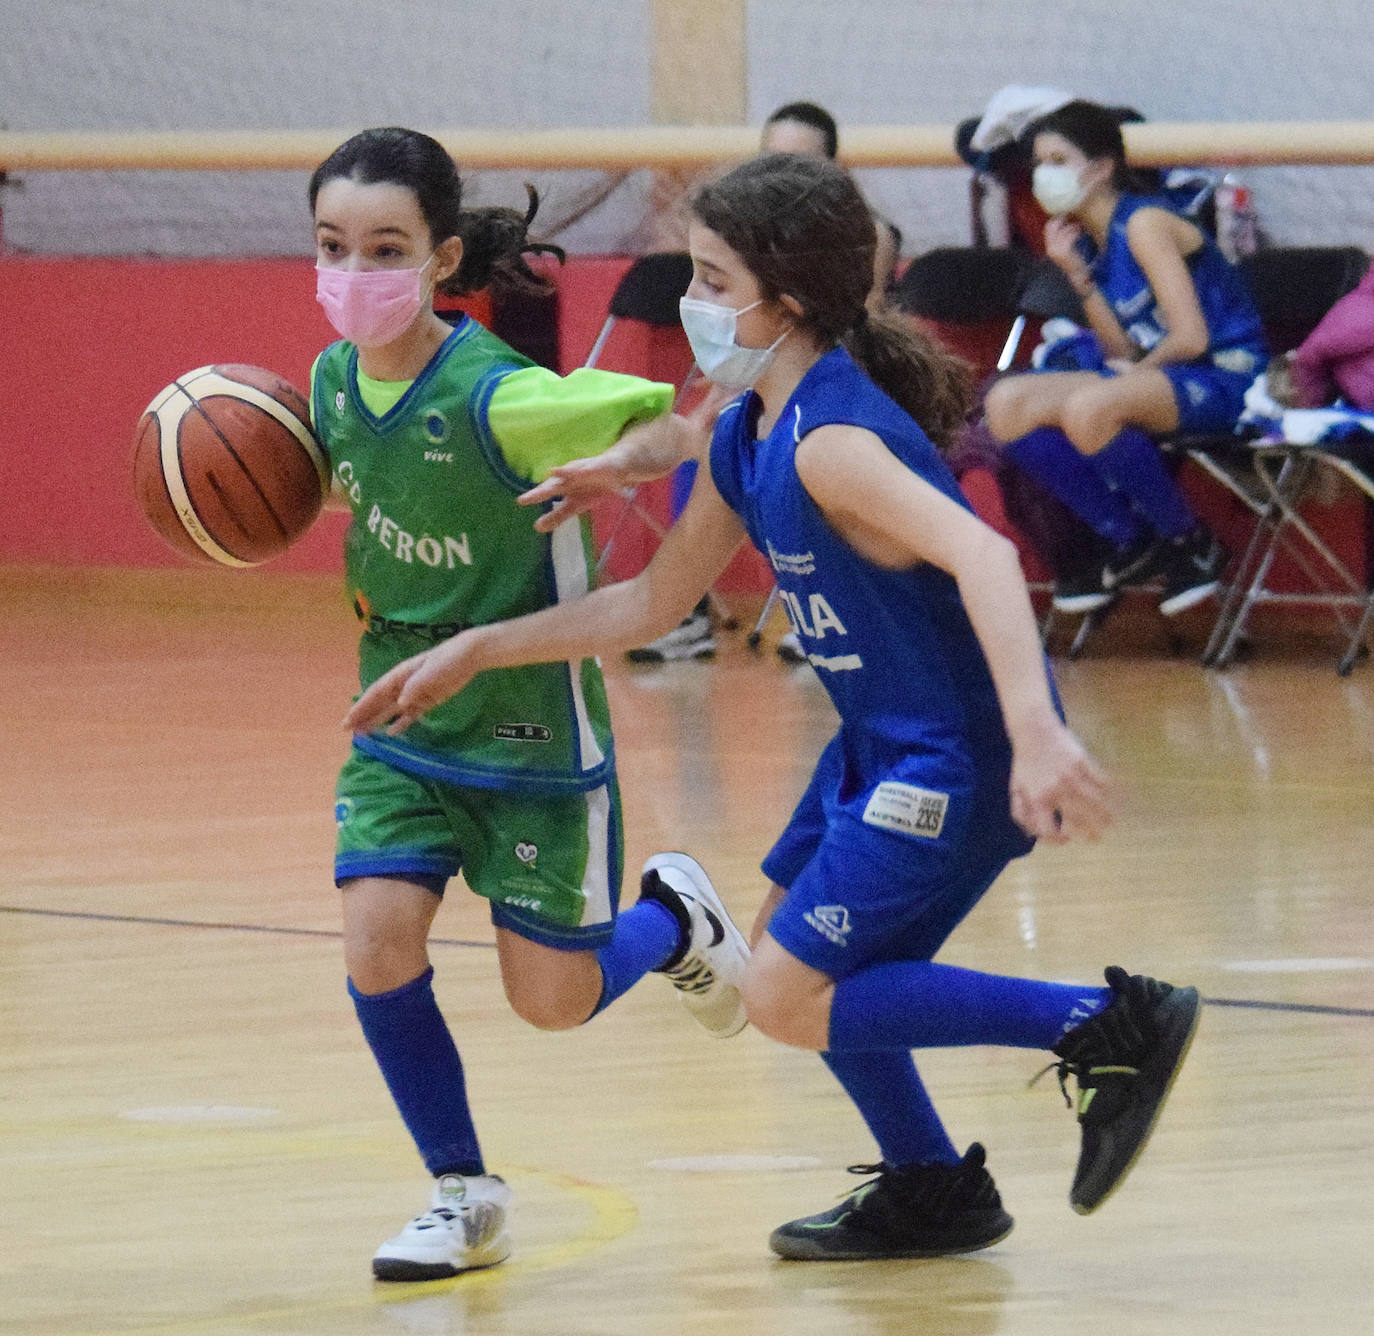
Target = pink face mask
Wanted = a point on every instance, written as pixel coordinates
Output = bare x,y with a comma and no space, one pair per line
370,307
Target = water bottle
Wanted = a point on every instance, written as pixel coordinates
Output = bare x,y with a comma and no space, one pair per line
1237,225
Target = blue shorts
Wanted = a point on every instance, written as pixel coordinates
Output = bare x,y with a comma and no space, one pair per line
888,870
1209,399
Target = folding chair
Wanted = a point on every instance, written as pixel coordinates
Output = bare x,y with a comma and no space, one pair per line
648,293
1286,469
968,297
1293,288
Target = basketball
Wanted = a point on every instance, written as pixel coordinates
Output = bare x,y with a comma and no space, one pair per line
226,466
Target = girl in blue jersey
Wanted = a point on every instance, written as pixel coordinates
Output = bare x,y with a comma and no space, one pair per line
951,755
1177,343
433,430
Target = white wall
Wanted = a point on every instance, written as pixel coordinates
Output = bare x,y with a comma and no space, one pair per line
221,64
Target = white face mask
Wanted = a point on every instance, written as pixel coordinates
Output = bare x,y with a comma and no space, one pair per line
1057,187
710,329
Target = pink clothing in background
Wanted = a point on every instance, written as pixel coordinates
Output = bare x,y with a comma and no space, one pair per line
1336,360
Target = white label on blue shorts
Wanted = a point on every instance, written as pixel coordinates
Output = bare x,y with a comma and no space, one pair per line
908,809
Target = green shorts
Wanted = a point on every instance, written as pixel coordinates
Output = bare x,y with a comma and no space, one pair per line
549,863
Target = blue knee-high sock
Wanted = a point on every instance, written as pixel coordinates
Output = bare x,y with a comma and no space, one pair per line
423,1071
646,935
1048,456
1132,461
919,1004
888,1092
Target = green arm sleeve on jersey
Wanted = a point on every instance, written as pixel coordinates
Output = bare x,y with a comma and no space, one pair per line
541,419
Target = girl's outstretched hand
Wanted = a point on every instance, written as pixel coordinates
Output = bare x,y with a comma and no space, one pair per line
647,451
414,687
1058,792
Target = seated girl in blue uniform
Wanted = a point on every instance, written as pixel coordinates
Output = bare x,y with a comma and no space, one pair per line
1177,343
951,757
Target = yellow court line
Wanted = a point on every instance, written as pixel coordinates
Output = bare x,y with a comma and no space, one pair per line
613,1215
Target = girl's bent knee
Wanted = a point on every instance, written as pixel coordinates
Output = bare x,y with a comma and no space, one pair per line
796,1022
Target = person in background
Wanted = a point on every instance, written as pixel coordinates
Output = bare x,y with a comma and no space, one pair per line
1336,360
1176,341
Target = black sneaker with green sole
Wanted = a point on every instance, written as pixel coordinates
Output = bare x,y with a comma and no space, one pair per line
1124,1061
918,1210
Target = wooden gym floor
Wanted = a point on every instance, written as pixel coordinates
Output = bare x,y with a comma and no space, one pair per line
193,1138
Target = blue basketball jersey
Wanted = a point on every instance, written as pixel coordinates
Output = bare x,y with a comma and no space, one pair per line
1234,333
893,648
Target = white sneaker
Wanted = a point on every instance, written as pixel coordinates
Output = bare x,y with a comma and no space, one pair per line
709,975
464,1228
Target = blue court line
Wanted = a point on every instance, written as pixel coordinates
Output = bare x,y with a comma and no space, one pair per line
201,923
1305,1008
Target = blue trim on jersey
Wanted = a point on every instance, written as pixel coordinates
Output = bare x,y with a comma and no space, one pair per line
432,766
490,447
398,412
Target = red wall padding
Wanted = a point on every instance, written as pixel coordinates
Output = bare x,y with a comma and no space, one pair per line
86,343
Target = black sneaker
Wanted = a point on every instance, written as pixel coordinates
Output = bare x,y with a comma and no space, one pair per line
1124,1060
1193,571
919,1210
1139,562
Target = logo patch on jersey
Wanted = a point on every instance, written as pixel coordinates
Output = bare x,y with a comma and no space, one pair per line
831,921
437,430
907,809
527,852
344,811
339,401
522,732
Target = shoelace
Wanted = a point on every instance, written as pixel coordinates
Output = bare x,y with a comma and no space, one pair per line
936,1194
1082,1073
693,976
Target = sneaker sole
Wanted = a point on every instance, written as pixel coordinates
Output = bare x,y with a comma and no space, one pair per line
1171,1059
1083,602
706,893
403,1269
1189,598
803,1249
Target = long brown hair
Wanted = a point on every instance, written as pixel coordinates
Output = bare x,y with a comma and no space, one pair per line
803,229
494,239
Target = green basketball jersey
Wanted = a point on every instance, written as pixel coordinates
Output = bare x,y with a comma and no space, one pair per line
437,543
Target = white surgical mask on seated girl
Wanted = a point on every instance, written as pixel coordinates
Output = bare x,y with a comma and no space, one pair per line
710,329
370,307
1057,187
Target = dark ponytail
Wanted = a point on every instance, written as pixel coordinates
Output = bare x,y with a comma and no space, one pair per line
909,366
804,230
495,241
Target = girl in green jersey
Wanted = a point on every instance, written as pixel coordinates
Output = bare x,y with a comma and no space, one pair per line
433,430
